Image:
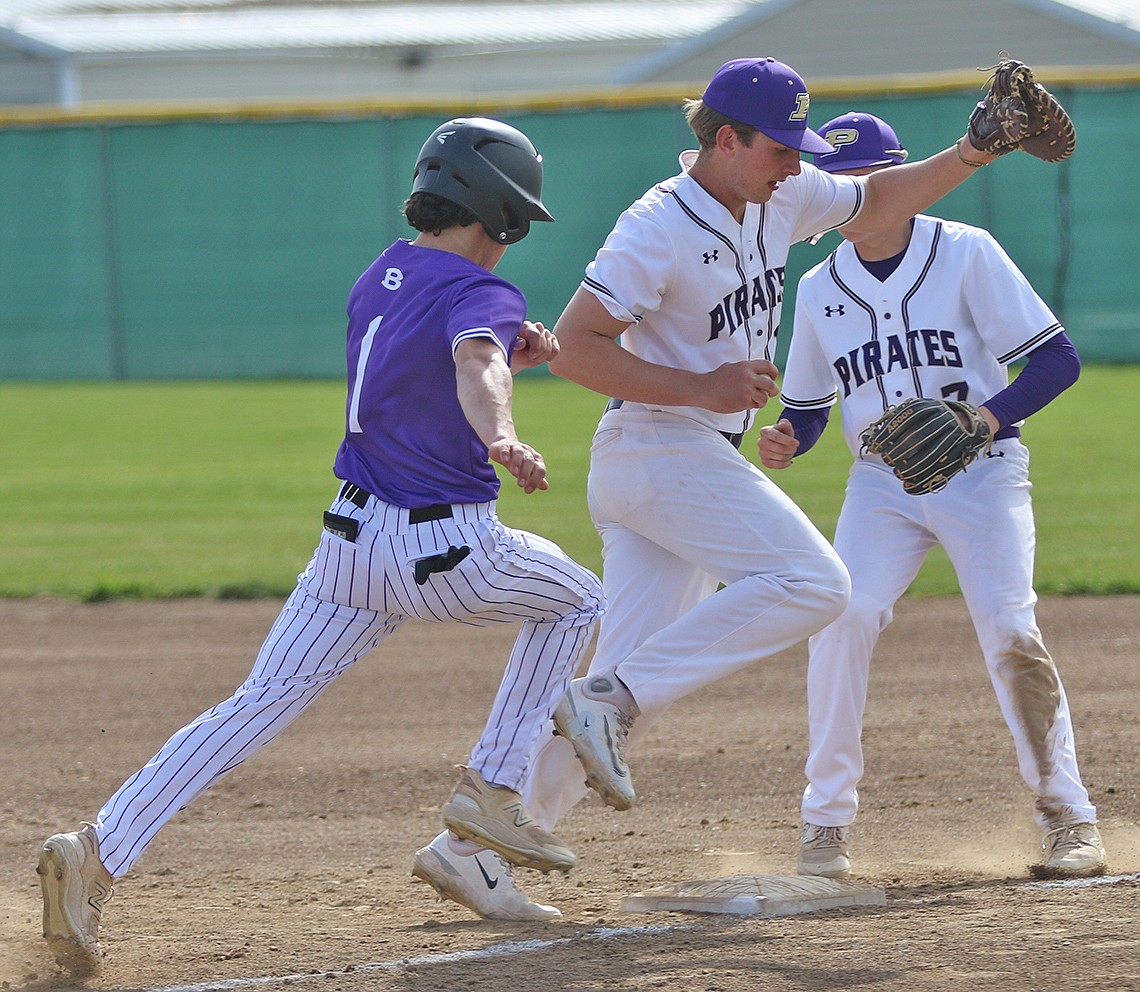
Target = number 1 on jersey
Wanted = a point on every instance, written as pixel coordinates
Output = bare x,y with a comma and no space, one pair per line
358,381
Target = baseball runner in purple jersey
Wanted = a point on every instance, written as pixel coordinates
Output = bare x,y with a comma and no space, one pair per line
691,281
433,337
928,308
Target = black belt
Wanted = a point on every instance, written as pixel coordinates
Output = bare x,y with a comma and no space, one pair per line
416,515
733,439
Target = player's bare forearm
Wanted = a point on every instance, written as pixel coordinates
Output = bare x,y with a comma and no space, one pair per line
591,356
601,364
484,388
605,367
893,196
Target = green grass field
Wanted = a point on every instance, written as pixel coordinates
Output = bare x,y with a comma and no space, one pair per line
185,489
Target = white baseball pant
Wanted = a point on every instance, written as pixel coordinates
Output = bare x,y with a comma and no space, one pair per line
680,511
984,520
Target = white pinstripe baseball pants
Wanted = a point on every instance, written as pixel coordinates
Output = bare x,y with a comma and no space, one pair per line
351,597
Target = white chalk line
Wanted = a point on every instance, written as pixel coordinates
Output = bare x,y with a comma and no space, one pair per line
422,960
1084,883
528,946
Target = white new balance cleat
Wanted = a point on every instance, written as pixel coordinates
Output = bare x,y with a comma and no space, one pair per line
599,732
483,882
1072,851
823,852
75,887
496,818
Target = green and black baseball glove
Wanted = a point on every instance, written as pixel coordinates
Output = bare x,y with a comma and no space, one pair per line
924,443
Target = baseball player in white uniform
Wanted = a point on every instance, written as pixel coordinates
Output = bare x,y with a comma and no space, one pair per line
928,308
691,281
413,532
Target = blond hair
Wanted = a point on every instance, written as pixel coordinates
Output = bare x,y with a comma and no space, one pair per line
706,122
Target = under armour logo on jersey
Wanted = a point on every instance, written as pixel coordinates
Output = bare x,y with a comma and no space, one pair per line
711,256
833,311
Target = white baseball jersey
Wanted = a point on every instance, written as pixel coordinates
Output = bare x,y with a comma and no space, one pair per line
944,324
702,290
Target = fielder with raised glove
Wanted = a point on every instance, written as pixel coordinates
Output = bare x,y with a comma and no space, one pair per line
1020,113
926,442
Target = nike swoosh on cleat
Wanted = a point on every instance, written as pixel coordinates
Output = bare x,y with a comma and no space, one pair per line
491,883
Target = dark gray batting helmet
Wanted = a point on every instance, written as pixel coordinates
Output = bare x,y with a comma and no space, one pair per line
489,168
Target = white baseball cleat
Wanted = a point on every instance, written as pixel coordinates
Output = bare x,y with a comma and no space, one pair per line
75,887
1072,851
823,852
496,818
483,882
599,732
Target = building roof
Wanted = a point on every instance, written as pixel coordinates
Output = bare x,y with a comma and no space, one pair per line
135,26
95,27
74,53
907,36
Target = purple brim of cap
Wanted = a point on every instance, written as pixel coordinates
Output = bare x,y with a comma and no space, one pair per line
806,140
840,166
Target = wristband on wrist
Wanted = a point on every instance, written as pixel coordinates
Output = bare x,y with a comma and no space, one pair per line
962,158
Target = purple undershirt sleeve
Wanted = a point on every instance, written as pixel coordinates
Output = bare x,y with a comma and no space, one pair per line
808,425
1049,371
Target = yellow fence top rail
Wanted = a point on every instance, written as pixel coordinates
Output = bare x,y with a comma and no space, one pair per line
498,103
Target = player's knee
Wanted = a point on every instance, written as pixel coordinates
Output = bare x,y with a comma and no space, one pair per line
838,583
830,588
1019,654
862,617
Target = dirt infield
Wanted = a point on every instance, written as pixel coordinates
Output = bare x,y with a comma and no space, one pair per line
294,872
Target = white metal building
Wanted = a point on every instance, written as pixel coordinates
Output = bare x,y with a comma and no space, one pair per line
79,53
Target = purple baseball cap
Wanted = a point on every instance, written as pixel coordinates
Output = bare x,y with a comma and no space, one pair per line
767,95
857,141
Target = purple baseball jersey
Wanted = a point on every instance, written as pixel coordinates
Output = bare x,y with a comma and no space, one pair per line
407,439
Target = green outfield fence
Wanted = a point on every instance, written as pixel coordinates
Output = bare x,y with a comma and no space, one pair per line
206,242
